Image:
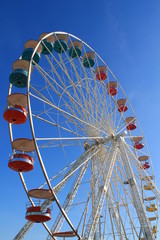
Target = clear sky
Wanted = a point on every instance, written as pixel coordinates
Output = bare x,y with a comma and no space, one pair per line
126,34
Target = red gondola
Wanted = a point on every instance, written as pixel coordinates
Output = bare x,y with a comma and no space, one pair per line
130,122
16,115
37,215
122,105
138,145
122,108
21,163
145,165
101,73
112,88
131,127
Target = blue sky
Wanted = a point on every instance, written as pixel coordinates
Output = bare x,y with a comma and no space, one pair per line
126,34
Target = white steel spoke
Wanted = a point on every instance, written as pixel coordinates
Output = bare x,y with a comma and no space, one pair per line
67,113
86,113
72,139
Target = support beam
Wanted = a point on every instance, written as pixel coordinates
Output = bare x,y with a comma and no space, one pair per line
138,203
99,200
68,201
115,215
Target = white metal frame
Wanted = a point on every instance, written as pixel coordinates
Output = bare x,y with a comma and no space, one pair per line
108,135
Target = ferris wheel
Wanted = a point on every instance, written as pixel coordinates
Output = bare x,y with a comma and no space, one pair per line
78,146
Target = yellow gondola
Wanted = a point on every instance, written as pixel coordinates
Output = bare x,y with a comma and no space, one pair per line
148,187
154,229
151,208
